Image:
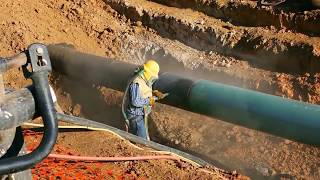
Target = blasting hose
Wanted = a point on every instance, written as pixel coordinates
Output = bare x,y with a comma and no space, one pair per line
111,159
131,137
41,66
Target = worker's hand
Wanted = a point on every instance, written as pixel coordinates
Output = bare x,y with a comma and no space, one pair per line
152,100
159,94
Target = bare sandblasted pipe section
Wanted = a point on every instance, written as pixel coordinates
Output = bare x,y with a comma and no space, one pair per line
272,114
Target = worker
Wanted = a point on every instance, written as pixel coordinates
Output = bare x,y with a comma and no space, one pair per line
139,99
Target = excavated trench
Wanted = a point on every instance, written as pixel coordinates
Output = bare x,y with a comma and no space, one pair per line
228,46
225,145
198,45
170,62
284,52
296,16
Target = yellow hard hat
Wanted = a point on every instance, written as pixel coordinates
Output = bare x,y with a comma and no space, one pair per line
151,69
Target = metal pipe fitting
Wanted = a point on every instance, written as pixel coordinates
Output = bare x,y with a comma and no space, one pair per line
13,62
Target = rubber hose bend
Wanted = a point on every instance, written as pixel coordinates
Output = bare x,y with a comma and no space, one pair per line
46,108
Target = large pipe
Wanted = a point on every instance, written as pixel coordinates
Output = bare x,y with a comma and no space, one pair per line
283,117
90,69
272,114
13,62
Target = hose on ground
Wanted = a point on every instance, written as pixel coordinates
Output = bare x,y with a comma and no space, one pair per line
87,158
167,155
185,156
111,159
99,129
83,127
85,122
112,132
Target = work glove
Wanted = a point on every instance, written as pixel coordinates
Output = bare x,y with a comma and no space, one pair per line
159,94
152,100
147,110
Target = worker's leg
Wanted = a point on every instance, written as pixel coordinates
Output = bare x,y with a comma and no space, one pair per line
137,126
132,126
141,129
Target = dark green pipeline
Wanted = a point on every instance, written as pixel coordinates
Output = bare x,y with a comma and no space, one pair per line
275,115
283,117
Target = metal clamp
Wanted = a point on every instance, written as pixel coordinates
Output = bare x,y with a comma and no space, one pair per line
39,58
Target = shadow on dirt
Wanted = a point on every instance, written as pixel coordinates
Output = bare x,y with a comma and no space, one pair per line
242,168
92,103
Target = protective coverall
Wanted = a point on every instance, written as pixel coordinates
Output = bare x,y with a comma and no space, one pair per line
139,107
139,99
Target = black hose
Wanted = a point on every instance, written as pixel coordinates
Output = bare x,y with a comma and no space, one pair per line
16,145
130,137
46,109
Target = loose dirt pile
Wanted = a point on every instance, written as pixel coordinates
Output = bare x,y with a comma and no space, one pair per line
272,50
292,15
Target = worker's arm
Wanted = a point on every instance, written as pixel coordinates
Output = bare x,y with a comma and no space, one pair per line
135,97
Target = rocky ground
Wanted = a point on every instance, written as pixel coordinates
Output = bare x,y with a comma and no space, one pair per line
274,50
